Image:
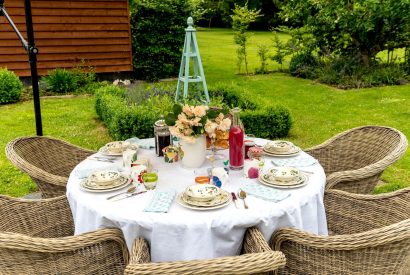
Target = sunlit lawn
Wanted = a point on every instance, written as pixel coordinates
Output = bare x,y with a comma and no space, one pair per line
318,111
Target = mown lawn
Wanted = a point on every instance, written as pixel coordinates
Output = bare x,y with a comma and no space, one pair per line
318,111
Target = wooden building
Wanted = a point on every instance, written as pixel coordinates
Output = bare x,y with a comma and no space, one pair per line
68,32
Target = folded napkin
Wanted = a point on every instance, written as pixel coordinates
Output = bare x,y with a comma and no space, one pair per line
265,193
85,169
299,161
145,143
161,201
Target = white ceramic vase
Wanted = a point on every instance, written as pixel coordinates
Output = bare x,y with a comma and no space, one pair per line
194,153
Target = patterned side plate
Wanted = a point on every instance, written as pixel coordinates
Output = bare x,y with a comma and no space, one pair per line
221,198
293,152
181,202
91,186
106,151
300,181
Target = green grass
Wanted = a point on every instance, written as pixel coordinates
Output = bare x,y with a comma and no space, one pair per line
72,119
318,111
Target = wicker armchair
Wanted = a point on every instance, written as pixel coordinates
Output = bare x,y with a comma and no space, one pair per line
46,218
99,252
48,161
355,159
376,237
260,258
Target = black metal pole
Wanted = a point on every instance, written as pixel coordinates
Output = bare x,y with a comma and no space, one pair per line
32,51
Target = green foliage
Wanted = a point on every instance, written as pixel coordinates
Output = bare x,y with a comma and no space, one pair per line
362,28
281,48
125,118
303,65
10,86
157,33
241,18
263,57
63,81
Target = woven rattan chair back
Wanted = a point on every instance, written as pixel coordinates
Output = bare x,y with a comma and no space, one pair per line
48,161
99,252
380,251
47,218
354,160
349,213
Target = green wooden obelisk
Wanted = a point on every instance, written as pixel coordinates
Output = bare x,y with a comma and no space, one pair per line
184,78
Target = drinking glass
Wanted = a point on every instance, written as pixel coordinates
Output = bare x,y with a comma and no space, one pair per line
150,179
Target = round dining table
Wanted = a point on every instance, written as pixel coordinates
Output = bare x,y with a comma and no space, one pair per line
183,233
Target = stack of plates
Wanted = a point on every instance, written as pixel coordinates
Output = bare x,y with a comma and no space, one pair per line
221,200
269,179
104,181
114,148
280,148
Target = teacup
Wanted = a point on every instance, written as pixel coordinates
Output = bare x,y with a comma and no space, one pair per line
284,173
117,147
171,154
104,177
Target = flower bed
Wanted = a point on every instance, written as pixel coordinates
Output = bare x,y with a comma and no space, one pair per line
125,119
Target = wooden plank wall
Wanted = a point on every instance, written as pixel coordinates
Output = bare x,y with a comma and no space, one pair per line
67,32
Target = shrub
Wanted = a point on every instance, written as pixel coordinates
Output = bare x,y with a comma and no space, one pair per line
125,119
63,81
303,65
10,86
158,32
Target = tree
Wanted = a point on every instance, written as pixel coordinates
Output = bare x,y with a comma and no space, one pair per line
241,18
353,27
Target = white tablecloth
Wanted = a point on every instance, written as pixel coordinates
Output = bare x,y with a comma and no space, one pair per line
185,234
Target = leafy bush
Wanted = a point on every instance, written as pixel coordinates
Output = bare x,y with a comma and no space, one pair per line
158,32
303,65
10,86
125,118
63,81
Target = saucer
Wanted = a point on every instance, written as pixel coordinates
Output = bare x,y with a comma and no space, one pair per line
300,181
293,152
221,198
181,202
91,186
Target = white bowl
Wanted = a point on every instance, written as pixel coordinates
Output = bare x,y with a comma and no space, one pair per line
104,177
202,192
284,173
117,146
279,146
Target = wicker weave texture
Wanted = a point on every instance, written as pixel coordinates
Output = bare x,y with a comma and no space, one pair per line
376,237
48,161
255,262
47,218
99,252
349,213
354,160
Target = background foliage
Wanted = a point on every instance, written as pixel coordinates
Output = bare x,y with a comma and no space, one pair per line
10,86
157,33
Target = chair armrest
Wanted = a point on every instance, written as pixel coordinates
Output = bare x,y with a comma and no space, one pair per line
372,238
235,265
349,213
140,252
46,218
254,242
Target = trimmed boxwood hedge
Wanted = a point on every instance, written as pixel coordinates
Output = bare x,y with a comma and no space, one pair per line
125,120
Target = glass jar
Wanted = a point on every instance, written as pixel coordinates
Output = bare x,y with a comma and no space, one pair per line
236,142
162,136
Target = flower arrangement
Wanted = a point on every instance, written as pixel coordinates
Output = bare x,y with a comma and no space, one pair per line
188,122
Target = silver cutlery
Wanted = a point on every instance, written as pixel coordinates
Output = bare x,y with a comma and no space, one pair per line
129,195
234,200
104,159
242,196
129,191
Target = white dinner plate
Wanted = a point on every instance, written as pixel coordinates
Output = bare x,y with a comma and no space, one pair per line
121,183
294,153
181,202
221,198
105,151
286,185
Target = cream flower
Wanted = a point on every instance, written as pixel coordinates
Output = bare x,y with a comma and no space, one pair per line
187,110
200,111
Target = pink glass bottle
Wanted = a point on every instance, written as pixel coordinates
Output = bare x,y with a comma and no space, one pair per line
236,142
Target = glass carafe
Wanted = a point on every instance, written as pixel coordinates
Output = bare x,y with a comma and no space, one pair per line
236,142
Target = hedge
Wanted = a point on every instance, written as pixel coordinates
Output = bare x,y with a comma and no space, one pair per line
125,120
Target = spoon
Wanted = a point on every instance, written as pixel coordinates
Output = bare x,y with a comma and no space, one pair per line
129,190
242,195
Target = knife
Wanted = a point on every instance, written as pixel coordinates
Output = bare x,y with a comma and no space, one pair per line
234,200
128,196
